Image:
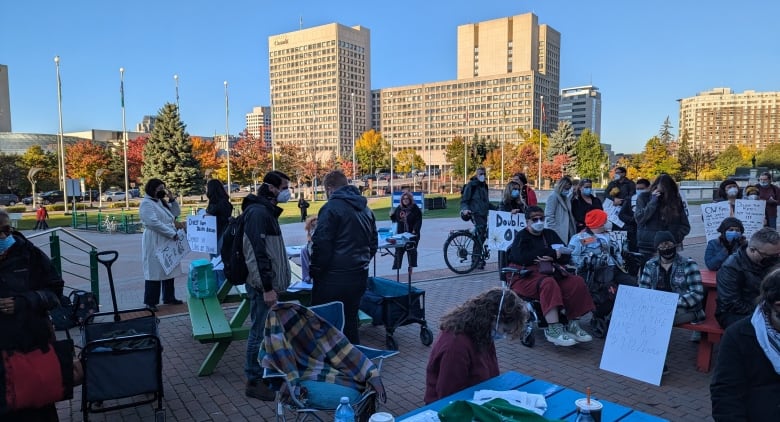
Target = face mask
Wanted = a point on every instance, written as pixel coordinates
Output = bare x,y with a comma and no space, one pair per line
283,196
538,226
768,261
668,253
515,193
587,191
732,236
566,192
481,177
753,197
6,243
617,177
160,194
732,192
763,184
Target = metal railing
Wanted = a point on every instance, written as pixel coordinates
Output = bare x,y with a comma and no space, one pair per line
59,237
106,222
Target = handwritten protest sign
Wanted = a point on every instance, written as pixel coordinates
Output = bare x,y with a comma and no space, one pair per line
171,253
639,332
202,233
502,226
751,212
713,215
613,212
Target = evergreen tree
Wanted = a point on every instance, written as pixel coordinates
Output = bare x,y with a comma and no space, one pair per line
591,156
168,153
665,135
562,142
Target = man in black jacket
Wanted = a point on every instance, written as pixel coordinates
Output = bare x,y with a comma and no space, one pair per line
739,278
621,188
343,245
475,204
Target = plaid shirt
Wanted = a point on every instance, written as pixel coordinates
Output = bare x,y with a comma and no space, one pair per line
303,346
685,279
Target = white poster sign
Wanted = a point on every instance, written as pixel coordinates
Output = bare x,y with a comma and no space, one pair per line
202,233
502,227
751,213
613,212
713,214
639,333
171,254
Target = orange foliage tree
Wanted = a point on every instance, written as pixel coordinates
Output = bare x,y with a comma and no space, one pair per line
247,154
83,158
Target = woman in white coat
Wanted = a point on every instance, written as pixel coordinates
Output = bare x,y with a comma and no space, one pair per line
158,213
557,210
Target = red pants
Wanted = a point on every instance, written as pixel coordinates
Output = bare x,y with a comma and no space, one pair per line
569,293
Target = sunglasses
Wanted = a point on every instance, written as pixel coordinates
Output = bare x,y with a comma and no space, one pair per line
536,219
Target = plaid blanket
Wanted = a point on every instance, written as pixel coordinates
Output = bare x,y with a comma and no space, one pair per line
303,346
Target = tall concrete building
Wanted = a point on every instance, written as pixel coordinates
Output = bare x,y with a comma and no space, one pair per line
258,124
320,78
505,67
714,120
581,106
5,100
146,125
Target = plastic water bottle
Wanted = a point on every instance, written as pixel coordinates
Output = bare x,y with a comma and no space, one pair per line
345,413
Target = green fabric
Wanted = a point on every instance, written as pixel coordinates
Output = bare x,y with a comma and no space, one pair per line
496,410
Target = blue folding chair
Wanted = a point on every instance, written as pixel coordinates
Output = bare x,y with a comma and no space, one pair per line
305,398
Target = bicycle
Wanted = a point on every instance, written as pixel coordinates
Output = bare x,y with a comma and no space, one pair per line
462,251
110,224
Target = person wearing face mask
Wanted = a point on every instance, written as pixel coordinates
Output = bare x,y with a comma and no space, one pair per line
557,292
729,191
746,380
557,210
158,212
621,188
751,193
464,353
732,237
584,201
770,193
626,215
408,217
526,192
671,272
739,278
269,269
660,208
512,200
343,245
475,203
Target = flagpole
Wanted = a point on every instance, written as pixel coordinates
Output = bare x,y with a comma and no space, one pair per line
503,136
62,137
124,134
227,140
541,118
176,79
465,143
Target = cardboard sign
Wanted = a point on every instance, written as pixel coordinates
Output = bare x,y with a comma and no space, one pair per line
751,212
638,336
171,254
613,212
202,233
502,228
713,214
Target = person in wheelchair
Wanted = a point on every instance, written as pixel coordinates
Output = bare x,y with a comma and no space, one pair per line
541,251
464,353
599,262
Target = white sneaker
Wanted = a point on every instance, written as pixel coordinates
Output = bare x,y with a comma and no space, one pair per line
556,335
577,333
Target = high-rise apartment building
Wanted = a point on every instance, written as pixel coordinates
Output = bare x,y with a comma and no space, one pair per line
714,120
320,79
5,100
507,68
258,124
581,106
146,125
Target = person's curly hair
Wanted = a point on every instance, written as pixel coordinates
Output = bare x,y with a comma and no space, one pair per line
476,318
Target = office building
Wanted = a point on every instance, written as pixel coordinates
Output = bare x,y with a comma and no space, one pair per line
5,100
714,120
146,125
320,79
258,124
581,106
505,69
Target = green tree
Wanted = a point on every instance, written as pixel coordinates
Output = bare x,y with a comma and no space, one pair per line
592,159
408,160
657,159
11,175
665,134
562,142
372,151
455,156
770,156
728,161
168,153
692,161
35,156
289,159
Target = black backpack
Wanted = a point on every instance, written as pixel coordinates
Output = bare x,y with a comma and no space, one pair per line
232,251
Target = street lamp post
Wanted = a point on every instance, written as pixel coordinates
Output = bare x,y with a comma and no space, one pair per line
273,145
176,80
124,135
541,117
62,139
354,166
227,139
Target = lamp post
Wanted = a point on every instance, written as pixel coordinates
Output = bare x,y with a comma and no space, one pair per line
273,145
227,139
124,134
541,117
503,138
176,80
354,166
62,139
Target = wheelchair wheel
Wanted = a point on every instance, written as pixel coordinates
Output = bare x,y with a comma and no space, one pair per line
426,336
529,339
459,252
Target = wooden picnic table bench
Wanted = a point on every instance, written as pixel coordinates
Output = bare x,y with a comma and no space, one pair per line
710,329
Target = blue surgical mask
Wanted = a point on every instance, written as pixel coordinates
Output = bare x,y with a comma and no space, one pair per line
732,192
617,176
587,191
538,226
6,243
732,235
763,184
640,191
515,193
481,177
566,192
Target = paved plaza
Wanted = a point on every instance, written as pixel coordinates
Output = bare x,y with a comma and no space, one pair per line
682,396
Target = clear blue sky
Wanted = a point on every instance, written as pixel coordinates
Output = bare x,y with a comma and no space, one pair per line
642,55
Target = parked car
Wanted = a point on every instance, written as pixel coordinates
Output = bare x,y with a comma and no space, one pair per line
114,196
51,197
134,193
27,200
234,187
8,199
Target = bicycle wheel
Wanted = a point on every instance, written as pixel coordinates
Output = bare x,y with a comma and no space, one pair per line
459,252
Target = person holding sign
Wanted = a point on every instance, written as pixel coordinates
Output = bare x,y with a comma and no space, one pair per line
729,191
740,276
671,272
541,251
746,381
512,201
220,207
732,237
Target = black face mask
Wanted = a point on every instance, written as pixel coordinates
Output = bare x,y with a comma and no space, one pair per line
160,194
768,261
668,253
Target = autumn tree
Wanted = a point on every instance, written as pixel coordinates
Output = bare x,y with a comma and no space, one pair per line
372,151
135,158
657,159
84,158
693,161
408,160
525,159
289,159
206,153
168,153
591,158
35,156
247,154
454,154
555,168
770,156
728,161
